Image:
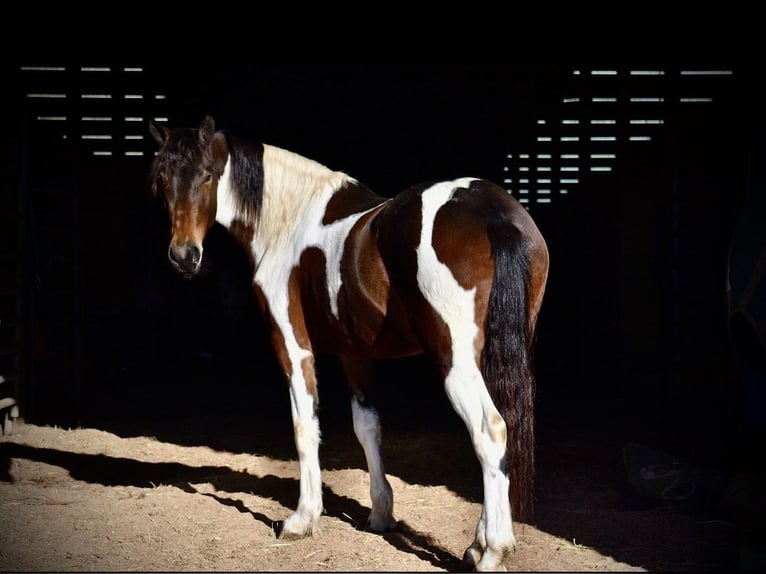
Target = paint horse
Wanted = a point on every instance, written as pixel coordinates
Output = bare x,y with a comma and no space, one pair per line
454,269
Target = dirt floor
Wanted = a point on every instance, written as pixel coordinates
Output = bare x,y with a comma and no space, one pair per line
208,493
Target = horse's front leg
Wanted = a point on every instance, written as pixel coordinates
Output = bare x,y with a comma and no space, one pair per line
299,368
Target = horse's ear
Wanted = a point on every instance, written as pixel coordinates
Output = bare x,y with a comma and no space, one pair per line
206,130
159,132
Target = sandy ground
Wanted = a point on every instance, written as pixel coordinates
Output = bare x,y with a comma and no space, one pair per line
163,497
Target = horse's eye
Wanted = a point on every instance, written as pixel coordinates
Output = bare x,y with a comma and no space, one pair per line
207,178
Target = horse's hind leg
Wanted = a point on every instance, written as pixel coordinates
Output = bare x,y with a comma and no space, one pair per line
494,531
367,428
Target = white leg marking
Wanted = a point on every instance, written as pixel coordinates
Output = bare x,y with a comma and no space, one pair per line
465,386
468,395
305,520
367,429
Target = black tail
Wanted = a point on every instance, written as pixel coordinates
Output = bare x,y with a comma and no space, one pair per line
506,361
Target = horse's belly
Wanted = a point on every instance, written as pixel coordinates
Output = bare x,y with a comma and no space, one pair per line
386,347
366,331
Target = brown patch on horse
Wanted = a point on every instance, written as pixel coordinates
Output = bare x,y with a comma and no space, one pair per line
352,198
280,350
277,337
360,374
295,314
365,287
261,301
310,377
360,328
243,234
315,299
297,318
539,263
461,243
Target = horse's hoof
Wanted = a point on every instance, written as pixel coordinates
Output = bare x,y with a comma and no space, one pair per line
471,557
289,536
476,559
295,528
378,524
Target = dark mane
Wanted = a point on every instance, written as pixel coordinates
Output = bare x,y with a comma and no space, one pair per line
246,173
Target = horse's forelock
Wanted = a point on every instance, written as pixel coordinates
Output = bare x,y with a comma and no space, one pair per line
181,149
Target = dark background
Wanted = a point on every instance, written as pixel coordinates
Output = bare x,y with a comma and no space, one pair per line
635,328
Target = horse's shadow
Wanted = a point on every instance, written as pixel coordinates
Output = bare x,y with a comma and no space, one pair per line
117,471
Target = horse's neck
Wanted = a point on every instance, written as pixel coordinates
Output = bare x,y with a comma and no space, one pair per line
295,192
293,182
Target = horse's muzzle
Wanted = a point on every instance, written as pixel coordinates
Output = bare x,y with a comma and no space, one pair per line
185,258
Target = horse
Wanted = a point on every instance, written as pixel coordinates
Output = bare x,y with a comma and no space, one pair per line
452,269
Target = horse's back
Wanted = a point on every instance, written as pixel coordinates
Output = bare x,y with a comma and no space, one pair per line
432,236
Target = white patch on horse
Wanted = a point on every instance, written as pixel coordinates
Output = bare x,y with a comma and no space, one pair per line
464,383
367,429
453,303
295,197
226,203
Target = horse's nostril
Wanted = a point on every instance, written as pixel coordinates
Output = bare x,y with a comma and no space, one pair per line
185,258
193,254
174,255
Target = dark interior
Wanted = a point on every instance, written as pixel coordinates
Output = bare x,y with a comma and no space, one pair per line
652,327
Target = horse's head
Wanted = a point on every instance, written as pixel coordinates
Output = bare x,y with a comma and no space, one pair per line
186,173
